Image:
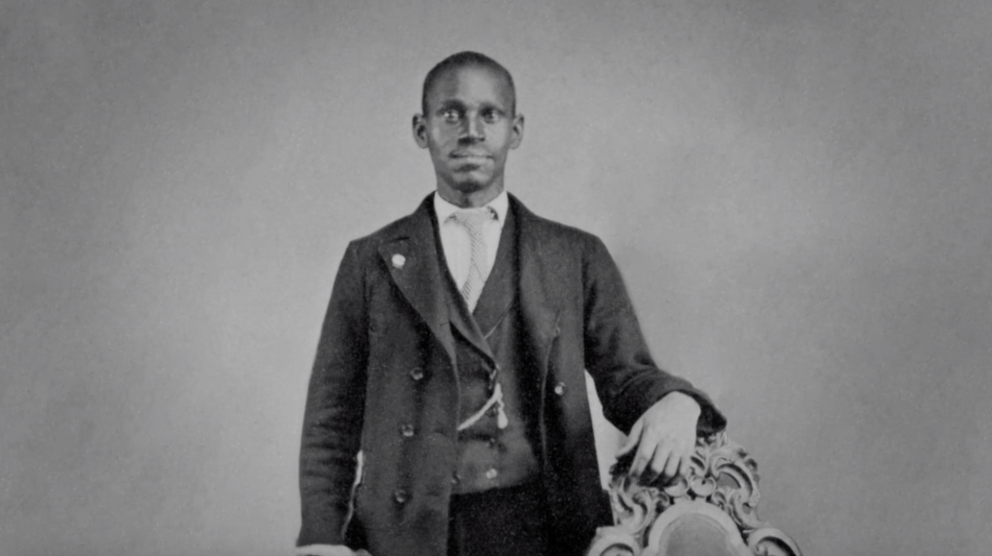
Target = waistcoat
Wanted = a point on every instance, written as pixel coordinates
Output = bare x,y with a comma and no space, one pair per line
486,354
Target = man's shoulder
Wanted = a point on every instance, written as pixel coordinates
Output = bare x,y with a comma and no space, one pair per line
548,230
566,232
401,227
386,233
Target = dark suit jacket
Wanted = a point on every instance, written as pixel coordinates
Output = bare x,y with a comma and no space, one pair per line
385,359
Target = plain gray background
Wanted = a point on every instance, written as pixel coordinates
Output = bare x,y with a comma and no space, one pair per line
798,192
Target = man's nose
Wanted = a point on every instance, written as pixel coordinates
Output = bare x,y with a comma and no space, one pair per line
474,129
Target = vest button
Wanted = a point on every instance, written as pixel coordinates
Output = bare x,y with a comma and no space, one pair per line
406,429
491,474
417,373
455,479
400,496
560,389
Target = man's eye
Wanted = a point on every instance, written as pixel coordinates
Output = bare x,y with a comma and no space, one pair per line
491,116
451,115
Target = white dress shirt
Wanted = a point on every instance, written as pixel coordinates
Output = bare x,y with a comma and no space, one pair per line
455,239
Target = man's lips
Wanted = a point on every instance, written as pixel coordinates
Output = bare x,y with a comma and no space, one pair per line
469,154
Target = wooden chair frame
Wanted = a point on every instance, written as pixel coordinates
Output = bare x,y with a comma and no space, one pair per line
721,486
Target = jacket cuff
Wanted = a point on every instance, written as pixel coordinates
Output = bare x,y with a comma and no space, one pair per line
316,532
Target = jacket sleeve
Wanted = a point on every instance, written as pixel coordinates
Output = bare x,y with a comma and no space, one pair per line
627,380
335,406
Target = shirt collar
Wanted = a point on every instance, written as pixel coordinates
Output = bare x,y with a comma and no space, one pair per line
443,209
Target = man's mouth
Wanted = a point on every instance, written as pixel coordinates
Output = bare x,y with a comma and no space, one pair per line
469,154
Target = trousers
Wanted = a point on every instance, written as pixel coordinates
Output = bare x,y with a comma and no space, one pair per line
509,521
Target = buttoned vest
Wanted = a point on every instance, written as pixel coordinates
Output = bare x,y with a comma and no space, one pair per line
485,353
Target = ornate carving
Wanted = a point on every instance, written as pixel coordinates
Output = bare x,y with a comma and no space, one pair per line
721,485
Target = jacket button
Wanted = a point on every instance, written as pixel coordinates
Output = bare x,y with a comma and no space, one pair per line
491,474
417,373
400,496
560,389
455,479
406,429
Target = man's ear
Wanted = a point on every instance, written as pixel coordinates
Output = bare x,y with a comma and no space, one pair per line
517,130
420,130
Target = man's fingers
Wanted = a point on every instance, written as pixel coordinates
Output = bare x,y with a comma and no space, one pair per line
632,439
662,459
646,449
671,467
668,461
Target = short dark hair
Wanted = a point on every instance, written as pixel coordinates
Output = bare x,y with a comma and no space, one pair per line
464,59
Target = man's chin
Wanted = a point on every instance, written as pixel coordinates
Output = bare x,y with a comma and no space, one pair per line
471,184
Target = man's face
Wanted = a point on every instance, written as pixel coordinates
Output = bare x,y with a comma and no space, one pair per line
469,129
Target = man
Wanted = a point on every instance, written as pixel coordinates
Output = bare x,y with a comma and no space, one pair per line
453,357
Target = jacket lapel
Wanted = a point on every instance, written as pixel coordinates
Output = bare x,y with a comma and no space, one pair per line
411,257
542,262
501,287
466,324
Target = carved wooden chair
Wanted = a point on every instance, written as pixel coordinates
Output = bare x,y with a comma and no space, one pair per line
710,510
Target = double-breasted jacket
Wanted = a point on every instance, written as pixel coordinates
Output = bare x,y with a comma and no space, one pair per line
384,382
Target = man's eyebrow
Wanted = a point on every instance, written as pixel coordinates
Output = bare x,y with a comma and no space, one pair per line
450,104
494,107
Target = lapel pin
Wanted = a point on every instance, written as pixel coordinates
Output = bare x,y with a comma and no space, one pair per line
399,261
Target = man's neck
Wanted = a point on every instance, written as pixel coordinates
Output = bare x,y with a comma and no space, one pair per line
471,199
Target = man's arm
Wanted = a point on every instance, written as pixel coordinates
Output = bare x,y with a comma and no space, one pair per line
335,407
662,413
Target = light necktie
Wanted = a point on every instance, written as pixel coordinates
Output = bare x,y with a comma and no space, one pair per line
474,220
